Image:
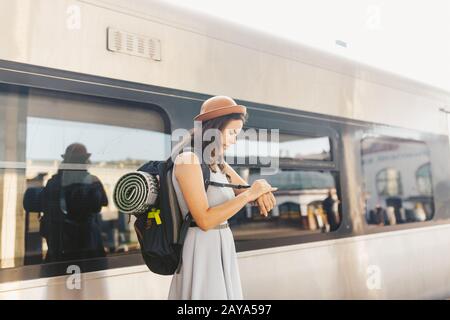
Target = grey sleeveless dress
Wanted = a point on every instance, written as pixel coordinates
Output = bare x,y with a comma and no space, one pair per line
210,269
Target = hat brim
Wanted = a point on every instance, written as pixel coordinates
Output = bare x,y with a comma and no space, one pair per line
82,156
221,112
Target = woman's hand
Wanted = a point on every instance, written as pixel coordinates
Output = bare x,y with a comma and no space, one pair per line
266,202
258,188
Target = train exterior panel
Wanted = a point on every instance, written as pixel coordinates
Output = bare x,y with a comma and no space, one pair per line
385,142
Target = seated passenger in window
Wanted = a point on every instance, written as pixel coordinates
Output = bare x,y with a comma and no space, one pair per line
419,212
378,215
397,204
330,206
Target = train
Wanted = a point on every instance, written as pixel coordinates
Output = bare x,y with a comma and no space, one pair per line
121,76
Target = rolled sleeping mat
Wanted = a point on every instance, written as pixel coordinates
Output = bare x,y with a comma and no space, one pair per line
135,192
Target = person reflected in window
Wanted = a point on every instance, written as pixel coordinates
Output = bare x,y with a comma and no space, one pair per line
72,201
330,206
395,204
378,216
419,212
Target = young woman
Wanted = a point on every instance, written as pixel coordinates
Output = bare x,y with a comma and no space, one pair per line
210,269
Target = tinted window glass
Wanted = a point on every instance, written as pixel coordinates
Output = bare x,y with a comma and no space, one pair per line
69,151
307,202
398,183
288,147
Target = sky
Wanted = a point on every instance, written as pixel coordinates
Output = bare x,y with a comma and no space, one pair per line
48,138
406,37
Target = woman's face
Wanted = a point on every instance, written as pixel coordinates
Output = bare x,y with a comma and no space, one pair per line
230,133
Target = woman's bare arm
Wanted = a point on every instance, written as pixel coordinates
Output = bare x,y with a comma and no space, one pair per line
190,179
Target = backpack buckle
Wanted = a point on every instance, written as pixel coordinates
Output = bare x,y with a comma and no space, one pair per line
154,214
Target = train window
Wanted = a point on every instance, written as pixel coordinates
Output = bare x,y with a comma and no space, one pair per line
307,202
397,180
62,154
289,148
307,199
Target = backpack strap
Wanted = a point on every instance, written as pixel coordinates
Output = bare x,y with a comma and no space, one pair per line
228,185
206,175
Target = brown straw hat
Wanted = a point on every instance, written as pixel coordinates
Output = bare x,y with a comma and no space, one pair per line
219,106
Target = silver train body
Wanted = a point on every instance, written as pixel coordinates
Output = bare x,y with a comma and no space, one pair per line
71,46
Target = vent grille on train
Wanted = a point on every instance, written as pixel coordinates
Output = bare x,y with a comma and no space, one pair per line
133,44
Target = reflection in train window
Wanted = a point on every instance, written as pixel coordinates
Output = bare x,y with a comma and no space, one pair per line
307,202
389,182
397,179
288,147
69,153
423,178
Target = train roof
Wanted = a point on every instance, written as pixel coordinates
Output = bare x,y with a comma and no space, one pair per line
254,39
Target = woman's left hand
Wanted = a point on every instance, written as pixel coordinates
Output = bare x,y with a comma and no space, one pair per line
266,202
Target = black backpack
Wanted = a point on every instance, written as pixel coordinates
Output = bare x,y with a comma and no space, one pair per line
161,230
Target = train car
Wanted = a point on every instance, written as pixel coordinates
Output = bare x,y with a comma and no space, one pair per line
363,207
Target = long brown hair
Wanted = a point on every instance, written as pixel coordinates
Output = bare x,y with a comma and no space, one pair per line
218,123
